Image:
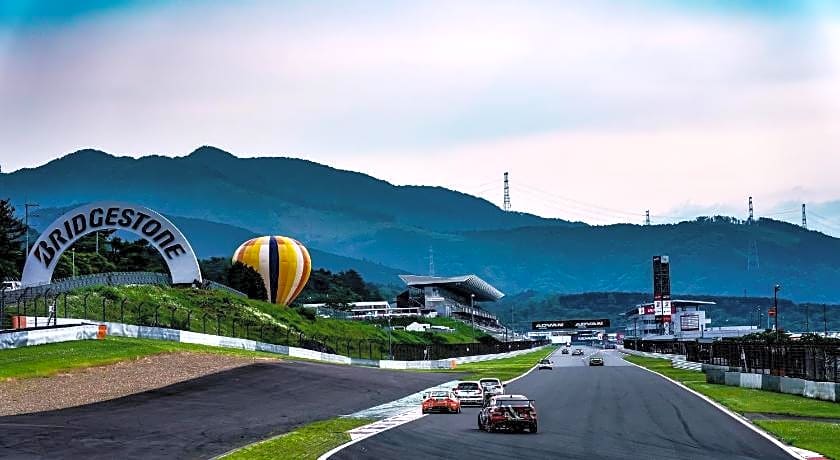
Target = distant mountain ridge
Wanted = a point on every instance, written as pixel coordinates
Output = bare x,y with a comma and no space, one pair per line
357,216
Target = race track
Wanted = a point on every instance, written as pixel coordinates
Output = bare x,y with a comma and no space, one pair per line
207,416
613,412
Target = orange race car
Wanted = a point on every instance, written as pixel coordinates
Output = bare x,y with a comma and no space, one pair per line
441,401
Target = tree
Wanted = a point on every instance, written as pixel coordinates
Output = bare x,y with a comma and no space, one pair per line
247,280
11,250
215,269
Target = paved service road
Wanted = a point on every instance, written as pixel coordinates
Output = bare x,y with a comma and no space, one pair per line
207,416
613,412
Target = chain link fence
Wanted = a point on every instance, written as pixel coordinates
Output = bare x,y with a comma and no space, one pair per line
47,307
815,362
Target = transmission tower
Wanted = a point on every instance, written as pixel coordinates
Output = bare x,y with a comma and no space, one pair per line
750,218
431,261
647,217
506,205
804,218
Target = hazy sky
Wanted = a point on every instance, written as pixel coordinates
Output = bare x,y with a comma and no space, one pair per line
599,109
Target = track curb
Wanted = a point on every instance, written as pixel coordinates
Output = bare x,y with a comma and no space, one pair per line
794,452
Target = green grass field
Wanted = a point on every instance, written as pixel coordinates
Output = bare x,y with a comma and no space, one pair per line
504,369
816,436
53,358
742,399
305,443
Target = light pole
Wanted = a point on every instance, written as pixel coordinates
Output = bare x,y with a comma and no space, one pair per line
776,289
472,312
390,347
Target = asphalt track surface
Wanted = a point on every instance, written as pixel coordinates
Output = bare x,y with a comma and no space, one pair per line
207,416
613,412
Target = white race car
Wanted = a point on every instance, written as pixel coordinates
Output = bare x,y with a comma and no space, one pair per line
469,393
492,387
545,364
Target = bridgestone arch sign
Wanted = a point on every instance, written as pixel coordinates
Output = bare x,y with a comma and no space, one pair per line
109,215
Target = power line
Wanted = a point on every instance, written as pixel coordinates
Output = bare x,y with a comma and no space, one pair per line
592,206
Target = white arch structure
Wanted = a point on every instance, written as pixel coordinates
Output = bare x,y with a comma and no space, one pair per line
110,215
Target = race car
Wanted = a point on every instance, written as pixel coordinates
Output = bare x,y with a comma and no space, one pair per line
564,351
596,361
492,387
545,364
469,393
441,401
577,352
508,412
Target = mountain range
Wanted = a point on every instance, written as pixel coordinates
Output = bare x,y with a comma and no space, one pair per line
381,229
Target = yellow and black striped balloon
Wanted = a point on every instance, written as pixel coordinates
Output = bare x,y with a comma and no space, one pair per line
283,262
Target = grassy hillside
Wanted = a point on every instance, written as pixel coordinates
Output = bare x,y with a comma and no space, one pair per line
225,314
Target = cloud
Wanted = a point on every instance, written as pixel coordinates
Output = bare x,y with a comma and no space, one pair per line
606,103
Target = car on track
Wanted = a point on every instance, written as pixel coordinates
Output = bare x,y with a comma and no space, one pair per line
545,364
441,401
564,351
508,412
596,361
469,393
492,387
577,352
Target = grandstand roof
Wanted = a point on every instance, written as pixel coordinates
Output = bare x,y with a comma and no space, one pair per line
465,284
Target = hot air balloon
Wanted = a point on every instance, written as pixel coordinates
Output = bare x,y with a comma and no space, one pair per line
283,262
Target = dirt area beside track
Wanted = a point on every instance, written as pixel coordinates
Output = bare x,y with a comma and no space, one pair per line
95,384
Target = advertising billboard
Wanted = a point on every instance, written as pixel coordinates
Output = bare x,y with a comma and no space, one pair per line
662,287
570,324
690,322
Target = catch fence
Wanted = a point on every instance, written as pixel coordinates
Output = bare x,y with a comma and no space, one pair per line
90,306
815,362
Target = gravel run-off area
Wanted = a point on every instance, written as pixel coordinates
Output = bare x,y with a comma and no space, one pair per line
95,384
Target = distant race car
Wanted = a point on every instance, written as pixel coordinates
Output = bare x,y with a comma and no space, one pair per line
564,351
469,393
545,364
492,387
596,361
508,412
577,352
441,401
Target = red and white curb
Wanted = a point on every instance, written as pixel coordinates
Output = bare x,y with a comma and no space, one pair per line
794,452
383,425
363,432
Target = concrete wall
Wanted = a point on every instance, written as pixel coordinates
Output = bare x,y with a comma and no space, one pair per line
40,337
827,391
174,335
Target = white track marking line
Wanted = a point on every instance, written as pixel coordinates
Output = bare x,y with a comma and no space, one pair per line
793,452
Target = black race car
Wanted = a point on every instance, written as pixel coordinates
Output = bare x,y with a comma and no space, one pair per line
508,412
564,351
